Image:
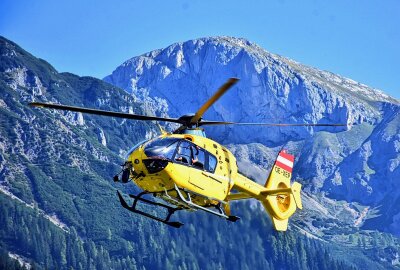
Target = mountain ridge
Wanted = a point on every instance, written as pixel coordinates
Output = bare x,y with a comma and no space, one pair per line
245,44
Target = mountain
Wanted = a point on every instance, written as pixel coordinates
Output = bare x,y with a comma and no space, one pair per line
359,164
179,78
58,204
55,167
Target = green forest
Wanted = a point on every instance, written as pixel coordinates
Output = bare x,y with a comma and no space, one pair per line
204,244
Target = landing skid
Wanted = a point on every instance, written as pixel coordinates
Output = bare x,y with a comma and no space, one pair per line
137,198
183,202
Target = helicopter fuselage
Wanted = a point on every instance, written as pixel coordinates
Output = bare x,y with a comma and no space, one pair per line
190,162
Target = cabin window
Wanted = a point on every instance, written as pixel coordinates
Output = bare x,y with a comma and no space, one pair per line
212,163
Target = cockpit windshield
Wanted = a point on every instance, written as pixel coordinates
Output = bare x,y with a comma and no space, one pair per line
179,151
161,148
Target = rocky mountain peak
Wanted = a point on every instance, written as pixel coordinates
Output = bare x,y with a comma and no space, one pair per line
176,80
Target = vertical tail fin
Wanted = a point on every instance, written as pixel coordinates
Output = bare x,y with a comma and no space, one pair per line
282,169
281,198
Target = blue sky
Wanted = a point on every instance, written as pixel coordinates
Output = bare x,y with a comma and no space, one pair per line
356,39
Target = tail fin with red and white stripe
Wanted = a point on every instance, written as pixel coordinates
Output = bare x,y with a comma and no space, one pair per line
282,168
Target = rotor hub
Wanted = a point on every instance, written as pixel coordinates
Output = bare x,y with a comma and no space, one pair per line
186,120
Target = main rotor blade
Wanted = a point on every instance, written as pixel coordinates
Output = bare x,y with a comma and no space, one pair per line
215,123
101,112
213,99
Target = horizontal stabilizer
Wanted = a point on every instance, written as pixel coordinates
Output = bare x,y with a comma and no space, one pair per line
296,188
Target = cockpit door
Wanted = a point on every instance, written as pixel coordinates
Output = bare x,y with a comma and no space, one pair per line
198,166
202,174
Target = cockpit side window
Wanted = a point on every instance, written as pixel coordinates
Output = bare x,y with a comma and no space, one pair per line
183,153
193,155
198,157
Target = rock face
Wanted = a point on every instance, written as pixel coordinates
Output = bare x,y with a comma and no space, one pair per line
359,163
179,78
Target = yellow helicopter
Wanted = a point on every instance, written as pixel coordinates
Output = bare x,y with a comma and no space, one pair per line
191,172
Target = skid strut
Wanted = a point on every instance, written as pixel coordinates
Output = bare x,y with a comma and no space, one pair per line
188,201
137,198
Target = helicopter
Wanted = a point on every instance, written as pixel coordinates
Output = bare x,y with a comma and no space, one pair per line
189,171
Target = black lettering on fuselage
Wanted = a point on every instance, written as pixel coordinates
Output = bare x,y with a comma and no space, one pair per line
283,172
